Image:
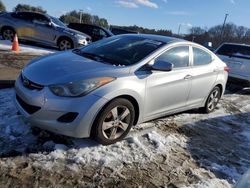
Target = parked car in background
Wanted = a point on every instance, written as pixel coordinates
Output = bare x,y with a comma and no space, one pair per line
237,57
105,88
96,32
119,31
40,28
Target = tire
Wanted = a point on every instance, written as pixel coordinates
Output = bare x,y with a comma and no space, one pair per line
8,33
65,44
114,122
212,100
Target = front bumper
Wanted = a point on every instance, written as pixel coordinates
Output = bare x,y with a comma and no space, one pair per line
50,108
82,42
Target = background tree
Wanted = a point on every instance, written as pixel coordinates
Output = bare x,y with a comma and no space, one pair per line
218,35
2,6
24,7
74,16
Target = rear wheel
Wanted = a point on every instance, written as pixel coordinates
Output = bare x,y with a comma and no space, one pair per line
8,33
65,44
114,122
212,100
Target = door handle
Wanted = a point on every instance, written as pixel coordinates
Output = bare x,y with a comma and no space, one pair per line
187,77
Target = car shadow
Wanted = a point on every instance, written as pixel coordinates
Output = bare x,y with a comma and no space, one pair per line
36,140
38,45
232,88
220,144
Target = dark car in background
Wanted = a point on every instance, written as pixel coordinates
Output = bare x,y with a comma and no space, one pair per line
40,28
96,32
237,57
119,31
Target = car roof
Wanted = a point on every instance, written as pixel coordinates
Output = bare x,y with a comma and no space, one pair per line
91,25
160,38
30,12
237,44
83,24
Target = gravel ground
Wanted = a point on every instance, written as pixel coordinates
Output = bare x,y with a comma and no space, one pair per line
189,149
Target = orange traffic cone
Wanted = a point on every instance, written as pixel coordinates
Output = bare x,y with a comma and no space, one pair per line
15,45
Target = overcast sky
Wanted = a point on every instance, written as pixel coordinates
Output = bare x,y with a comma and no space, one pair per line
157,14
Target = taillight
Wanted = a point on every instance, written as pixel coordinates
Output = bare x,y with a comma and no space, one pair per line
226,69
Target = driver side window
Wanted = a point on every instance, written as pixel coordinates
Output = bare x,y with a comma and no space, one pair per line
178,56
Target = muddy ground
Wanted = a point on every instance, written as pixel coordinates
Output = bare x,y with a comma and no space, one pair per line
189,149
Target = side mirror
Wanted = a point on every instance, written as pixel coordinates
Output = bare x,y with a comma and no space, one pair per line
162,65
50,24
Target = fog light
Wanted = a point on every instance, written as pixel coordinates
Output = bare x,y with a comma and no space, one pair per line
68,118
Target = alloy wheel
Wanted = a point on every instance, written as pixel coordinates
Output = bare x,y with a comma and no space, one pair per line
213,100
8,34
116,122
65,45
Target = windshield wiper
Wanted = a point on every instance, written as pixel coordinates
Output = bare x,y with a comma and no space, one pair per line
95,57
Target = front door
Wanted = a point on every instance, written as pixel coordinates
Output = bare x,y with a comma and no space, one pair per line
168,91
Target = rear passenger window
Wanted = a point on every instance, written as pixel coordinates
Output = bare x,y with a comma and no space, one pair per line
40,18
201,57
23,16
178,56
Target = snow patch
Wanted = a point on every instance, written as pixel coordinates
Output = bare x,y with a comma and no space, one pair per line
212,183
229,171
6,45
164,142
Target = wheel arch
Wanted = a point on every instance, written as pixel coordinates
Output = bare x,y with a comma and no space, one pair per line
221,88
125,96
7,26
60,38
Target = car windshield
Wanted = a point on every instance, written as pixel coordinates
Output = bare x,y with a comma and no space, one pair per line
120,50
57,22
109,32
240,51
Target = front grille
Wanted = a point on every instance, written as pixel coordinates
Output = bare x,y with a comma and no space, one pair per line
27,107
29,84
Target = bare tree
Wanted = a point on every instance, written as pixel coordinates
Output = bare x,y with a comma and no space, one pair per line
2,6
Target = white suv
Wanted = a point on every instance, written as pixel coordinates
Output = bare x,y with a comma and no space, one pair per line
237,58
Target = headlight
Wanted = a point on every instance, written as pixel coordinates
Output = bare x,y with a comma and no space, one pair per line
80,37
79,88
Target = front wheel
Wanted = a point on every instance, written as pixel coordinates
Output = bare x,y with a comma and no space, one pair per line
114,122
65,44
212,100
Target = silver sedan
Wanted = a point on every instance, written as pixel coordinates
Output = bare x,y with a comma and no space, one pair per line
105,88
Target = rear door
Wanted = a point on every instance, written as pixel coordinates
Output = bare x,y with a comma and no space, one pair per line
237,58
25,28
44,32
203,76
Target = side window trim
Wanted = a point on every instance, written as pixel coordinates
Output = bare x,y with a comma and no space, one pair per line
175,46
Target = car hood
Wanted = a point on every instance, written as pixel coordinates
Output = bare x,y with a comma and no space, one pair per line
66,67
72,31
